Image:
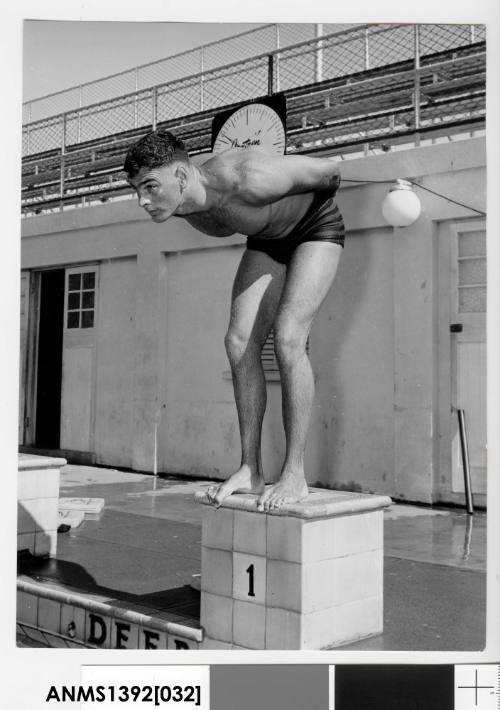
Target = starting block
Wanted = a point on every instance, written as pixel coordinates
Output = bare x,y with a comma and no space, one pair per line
306,576
37,503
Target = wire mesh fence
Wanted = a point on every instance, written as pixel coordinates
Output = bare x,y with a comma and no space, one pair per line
365,83
51,105
210,56
267,38
236,83
242,46
93,123
120,106
43,136
387,45
436,38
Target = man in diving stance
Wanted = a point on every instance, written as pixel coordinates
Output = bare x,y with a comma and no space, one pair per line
285,204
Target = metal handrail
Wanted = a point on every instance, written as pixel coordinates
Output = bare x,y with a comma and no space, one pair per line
206,74
199,52
133,71
144,66
317,43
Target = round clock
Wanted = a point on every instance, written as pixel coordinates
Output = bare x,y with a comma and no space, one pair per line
253,125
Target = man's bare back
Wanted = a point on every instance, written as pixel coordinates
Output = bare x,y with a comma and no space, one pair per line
232,175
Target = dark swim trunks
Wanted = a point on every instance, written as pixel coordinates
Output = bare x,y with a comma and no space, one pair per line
321,223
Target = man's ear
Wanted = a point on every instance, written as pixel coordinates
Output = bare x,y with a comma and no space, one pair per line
181,173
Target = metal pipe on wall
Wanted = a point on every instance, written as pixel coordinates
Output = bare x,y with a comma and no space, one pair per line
465,461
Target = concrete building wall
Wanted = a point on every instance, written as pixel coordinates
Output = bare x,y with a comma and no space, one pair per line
200,415
162,391
115,362
352,351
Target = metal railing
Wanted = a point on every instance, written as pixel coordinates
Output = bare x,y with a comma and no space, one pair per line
367,81
213,55
335,55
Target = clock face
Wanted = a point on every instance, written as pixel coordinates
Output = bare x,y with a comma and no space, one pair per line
252,125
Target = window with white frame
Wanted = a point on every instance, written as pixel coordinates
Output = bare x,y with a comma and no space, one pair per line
472,272
80,298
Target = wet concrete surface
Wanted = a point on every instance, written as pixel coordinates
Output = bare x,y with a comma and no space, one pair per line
445,537
429,607
145,547
147,538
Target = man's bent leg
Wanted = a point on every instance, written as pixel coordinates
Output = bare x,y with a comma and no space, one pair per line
256,293
309,278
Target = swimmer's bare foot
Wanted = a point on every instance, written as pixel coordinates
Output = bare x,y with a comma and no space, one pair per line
245,480
291,488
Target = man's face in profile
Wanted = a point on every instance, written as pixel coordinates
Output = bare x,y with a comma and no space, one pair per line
158,191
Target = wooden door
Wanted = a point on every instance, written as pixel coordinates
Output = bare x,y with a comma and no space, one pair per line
468,349
79,346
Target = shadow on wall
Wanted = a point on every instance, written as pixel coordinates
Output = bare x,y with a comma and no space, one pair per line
333,328
339,319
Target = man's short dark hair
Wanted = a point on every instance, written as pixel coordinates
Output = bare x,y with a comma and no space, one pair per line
154,150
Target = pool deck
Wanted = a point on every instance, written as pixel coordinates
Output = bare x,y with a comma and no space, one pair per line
142,551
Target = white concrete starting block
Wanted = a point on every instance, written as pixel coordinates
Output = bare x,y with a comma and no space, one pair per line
37,503
308,576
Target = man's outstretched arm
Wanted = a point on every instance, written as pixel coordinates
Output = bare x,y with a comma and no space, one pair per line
266,178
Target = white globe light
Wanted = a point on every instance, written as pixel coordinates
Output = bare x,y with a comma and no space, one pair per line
401,206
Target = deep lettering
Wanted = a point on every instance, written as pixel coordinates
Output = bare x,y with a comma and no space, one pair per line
120,634
181,644
149,637
97,621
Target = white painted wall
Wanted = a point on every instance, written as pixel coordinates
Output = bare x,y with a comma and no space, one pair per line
115,362
352,351
164,306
